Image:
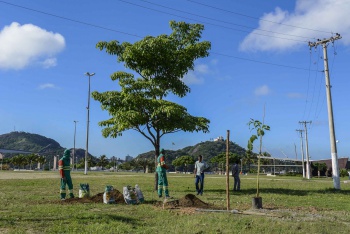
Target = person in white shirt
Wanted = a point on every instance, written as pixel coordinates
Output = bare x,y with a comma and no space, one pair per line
199,168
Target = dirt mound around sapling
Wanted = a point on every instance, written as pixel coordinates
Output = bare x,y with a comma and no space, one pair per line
188,201
191,200
98,198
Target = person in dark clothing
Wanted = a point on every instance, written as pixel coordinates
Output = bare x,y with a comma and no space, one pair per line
235,174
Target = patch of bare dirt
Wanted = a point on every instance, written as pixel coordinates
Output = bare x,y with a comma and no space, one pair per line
98,198
190,201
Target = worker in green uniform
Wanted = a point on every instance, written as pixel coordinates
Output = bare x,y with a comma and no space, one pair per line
64,168
162,178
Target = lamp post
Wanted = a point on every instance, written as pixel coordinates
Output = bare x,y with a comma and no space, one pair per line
87,126
75,130
241,166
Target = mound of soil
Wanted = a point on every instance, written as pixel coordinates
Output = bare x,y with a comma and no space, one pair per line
188,201
191,200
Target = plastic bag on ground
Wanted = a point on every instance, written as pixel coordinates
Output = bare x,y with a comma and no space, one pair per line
84,191
129,194
139,194
108,196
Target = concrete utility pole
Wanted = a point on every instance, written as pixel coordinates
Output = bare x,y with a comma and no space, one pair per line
335,168
75,132
87,125
307,150
227,170
302,150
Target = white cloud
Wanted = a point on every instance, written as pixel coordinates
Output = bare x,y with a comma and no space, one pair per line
201,68
295,95
50,62
192,78
47,86
195,77
21,45
262,91
214,61
320,15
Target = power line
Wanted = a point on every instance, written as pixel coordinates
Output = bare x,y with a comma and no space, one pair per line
313,94
252,17
72,20
221,21
234,29
134,35
263,62
307,90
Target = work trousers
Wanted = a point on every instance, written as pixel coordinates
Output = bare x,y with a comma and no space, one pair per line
162,184
199,182
236,183
67,181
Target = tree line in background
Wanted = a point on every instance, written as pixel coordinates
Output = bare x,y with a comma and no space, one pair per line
183,164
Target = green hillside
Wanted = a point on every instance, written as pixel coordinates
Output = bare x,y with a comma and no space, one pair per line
208,149
34,143
49,147
30,142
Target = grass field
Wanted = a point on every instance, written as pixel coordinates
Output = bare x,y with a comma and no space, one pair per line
30,204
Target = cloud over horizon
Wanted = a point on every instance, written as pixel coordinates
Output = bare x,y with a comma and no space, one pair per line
21,45
47,86
321,16
262,90
195,76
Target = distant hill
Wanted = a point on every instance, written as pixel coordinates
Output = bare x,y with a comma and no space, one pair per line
208,149
30,142
49,147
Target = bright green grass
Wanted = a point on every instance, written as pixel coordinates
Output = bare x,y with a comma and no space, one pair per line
30,204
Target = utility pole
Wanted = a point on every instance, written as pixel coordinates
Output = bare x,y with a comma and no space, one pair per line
302,150
306,149
335,169
87,126
75,131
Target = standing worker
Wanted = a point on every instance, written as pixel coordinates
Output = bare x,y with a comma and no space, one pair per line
199,168
235,174
162,178
64,168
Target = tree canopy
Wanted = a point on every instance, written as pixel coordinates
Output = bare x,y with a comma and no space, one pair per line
160,64
185,161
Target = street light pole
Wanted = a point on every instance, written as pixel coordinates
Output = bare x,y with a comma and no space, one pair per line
241,166
87,127
75,130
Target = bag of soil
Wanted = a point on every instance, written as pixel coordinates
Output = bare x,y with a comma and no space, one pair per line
139,194
84,191
130,196
108,196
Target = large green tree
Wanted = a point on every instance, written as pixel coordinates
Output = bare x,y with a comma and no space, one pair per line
160,64
220,160
184,161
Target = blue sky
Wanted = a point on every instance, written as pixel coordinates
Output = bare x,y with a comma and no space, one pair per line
259,57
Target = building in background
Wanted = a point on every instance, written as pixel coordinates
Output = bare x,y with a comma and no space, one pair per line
128,158
220,138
